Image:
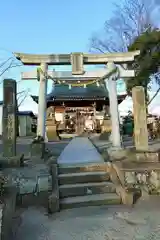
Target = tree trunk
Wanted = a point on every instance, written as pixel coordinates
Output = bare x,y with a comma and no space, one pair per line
158,90
146,98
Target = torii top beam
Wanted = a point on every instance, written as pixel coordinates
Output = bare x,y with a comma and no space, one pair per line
65,59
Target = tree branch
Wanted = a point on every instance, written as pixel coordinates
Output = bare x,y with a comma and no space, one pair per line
25,92
129,20
4,67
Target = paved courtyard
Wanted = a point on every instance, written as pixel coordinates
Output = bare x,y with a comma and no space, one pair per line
100,223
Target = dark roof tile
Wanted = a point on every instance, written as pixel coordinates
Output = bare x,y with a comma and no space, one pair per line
62,92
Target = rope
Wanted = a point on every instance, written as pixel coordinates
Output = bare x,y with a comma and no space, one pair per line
100,79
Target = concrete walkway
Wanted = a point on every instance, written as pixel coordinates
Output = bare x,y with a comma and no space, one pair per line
79,151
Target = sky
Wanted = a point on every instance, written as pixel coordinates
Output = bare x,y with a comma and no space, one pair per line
48,26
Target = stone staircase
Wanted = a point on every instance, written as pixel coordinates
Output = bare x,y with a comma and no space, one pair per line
87,185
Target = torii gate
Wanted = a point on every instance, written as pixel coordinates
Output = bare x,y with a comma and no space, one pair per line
111,74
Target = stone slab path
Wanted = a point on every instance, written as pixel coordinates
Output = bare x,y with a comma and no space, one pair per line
80,150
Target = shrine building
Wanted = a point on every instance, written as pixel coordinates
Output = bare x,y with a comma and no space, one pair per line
87,100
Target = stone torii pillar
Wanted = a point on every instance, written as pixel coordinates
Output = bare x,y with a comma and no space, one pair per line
112,90
41,121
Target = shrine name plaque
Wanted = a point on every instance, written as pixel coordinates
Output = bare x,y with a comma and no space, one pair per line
9,118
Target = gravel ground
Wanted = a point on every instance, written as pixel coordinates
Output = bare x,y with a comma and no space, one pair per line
100,223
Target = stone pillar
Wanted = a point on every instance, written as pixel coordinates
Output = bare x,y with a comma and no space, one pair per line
112,90
41,121
140,119
9,132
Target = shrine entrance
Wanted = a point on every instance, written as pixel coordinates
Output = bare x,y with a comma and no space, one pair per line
115,67
76,117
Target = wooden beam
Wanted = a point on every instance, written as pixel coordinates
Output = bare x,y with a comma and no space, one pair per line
65,59
67,75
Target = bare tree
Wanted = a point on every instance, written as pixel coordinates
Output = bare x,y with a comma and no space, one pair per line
129,20
22,95
5,66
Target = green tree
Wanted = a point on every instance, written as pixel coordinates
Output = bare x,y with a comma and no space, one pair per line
147,63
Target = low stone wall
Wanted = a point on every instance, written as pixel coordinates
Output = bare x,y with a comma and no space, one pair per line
53,200
31,199
127,195
34,184
9,162
144,175
134,173
135,179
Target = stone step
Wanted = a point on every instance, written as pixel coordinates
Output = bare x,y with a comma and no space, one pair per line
84,177
82,168
82,189
90,200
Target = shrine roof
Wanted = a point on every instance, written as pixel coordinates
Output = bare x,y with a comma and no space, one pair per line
63,93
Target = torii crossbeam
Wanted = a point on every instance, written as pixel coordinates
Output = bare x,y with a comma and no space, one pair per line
67,75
